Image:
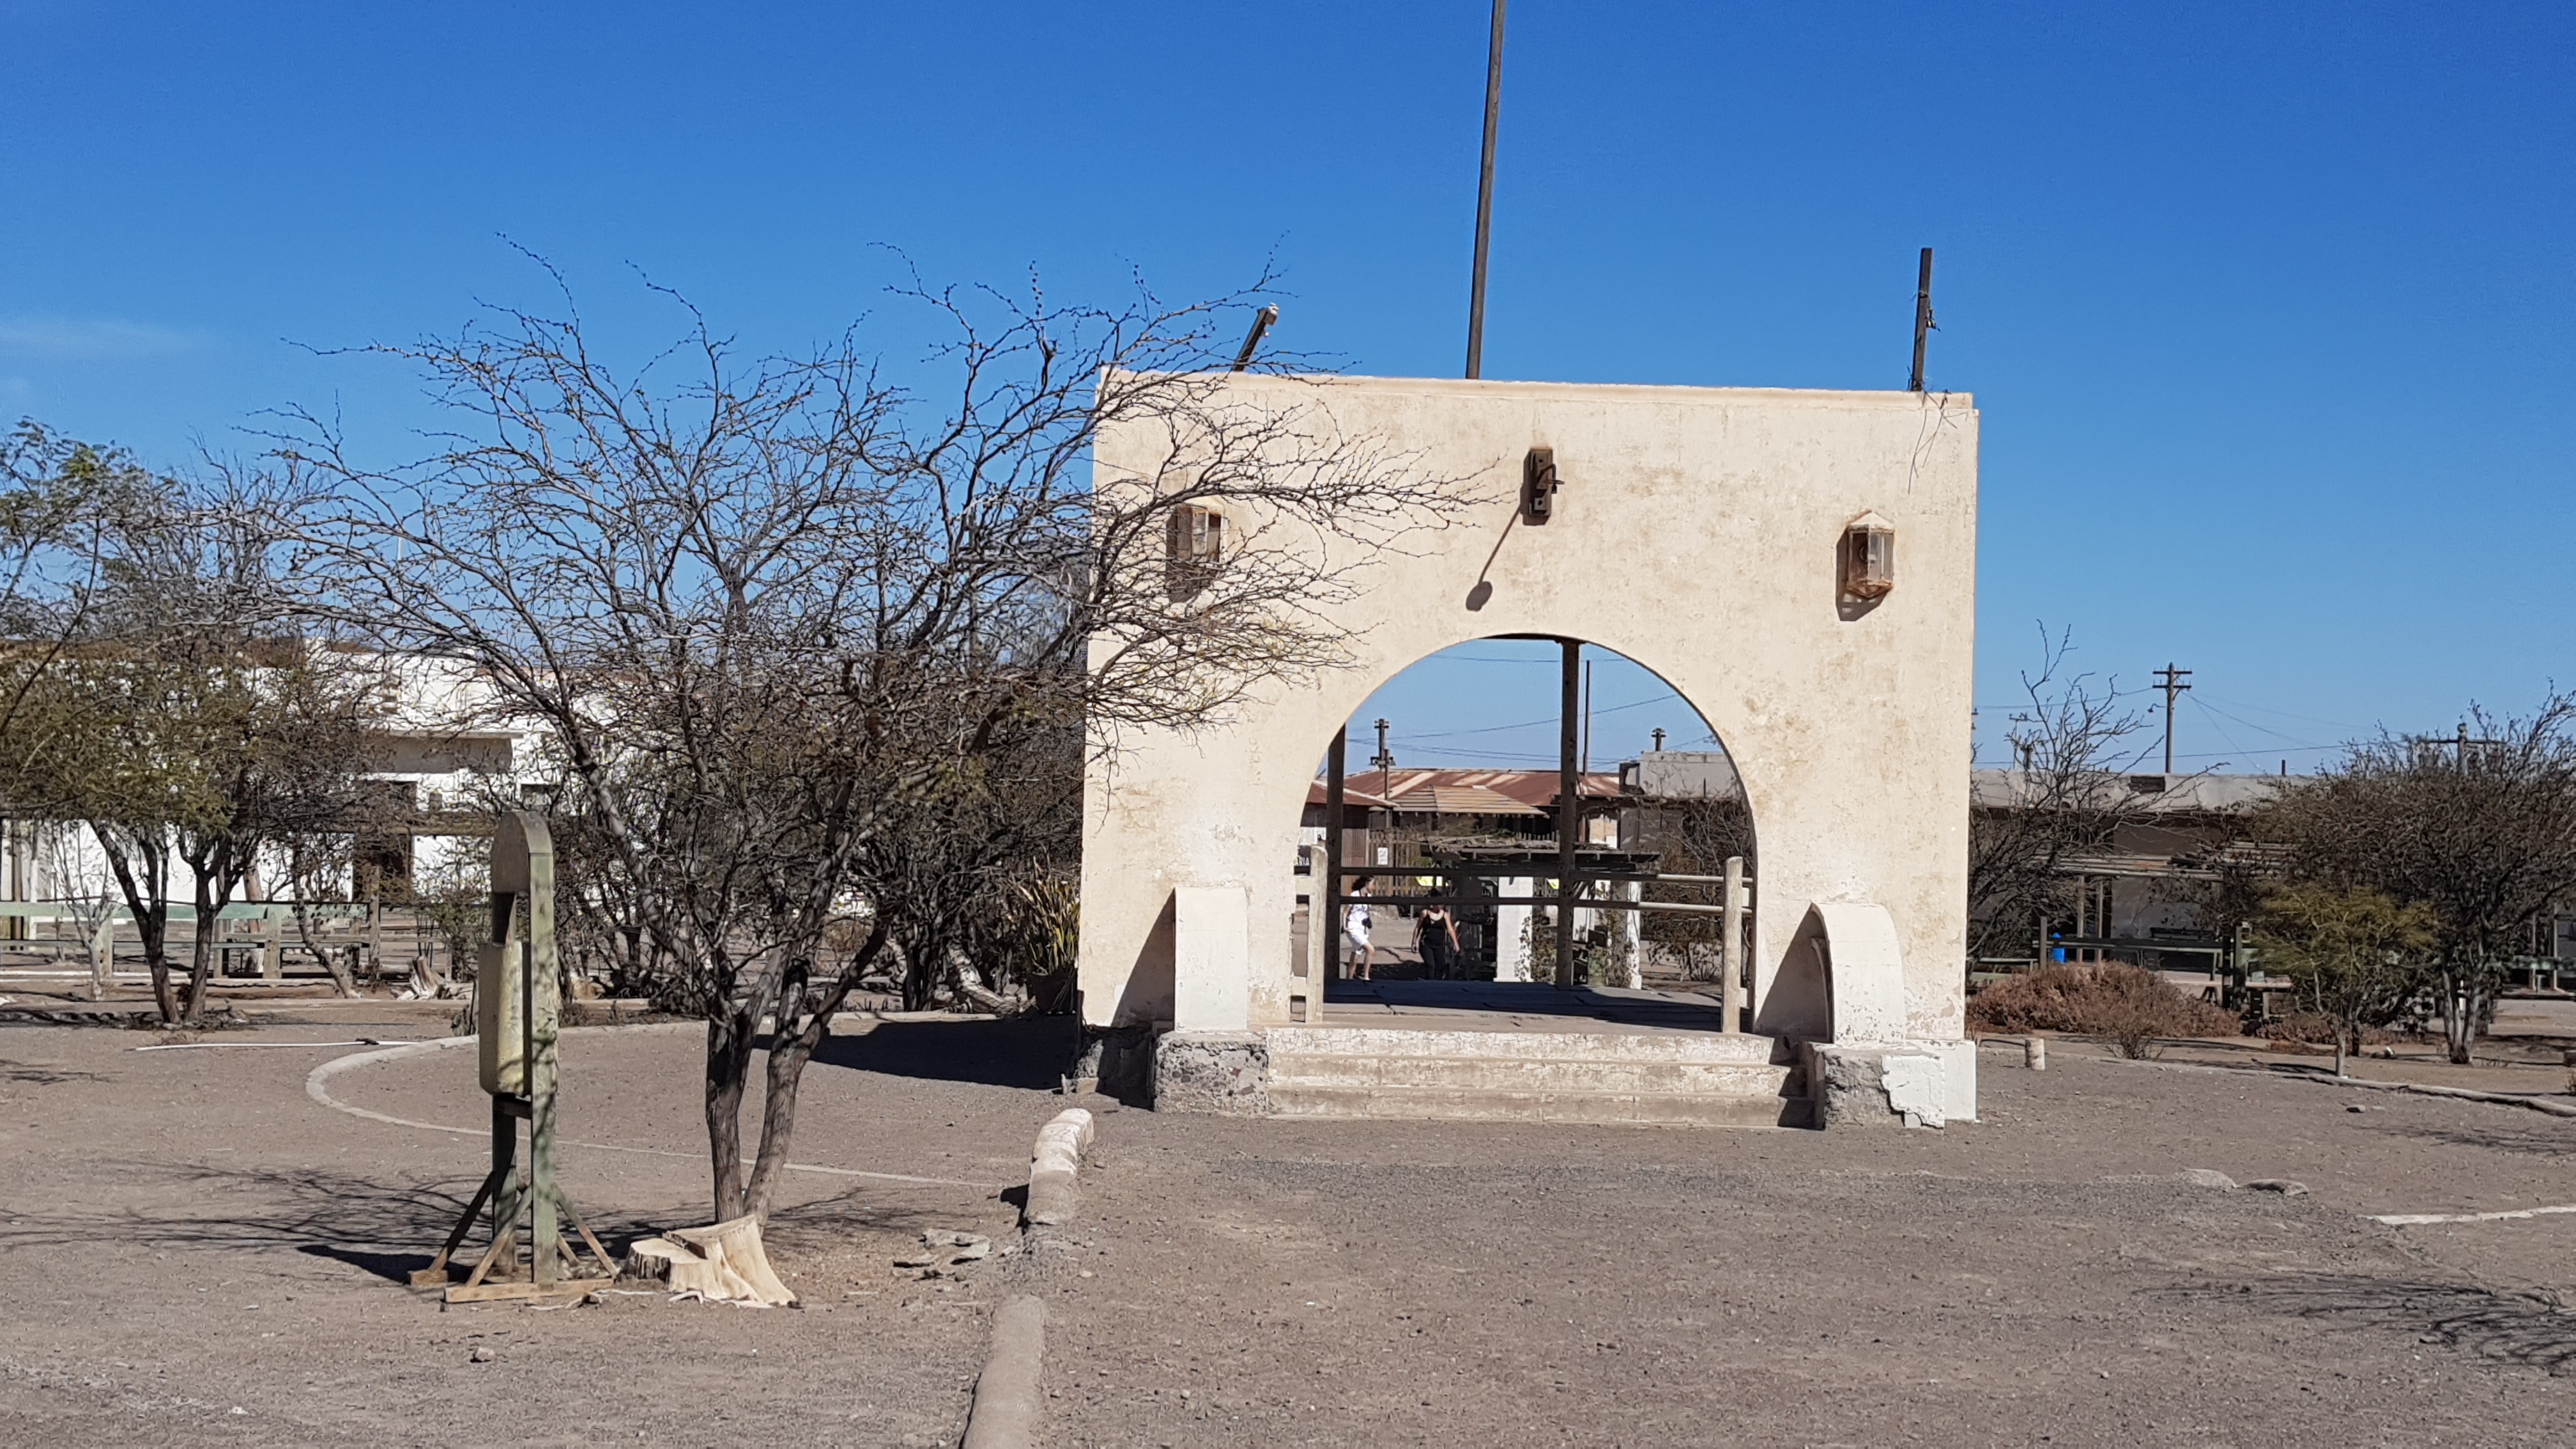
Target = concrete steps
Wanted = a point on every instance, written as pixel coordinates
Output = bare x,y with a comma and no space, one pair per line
1658,1078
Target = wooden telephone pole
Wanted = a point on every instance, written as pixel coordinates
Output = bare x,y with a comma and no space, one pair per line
2170,680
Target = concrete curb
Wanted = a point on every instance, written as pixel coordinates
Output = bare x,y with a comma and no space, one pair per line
1054,1166
2553,1104
1004,1414
2536,1102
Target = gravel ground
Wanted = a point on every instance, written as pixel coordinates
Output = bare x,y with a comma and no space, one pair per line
2045,1276
184,1234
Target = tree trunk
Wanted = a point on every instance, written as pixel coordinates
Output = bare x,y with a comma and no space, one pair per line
730,1035
787,1058
342,980
151,915
155,931
925,960
2343,1030
214,892
789,1052
2463,1007
299,872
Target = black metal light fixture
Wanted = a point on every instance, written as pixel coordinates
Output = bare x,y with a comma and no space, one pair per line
1538,486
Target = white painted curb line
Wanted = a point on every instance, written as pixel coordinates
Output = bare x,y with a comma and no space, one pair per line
316,1086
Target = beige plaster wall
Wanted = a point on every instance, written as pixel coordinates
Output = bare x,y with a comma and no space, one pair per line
1696,533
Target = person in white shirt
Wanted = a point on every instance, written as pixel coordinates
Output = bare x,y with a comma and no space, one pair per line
1355,929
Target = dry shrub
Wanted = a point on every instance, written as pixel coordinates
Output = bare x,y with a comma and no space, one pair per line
2130,1006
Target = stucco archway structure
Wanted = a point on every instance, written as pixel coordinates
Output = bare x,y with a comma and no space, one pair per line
1697,531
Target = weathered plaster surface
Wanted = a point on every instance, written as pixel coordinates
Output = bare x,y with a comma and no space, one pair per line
1696,533
1223,1072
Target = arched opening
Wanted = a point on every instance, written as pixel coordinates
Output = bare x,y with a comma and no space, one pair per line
1526,825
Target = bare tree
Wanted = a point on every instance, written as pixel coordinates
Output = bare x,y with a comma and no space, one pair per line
2064,796
773,614
2481,830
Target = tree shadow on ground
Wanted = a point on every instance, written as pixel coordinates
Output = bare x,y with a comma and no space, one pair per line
25,1075
2542,1138
1032,1052
388,1228
2531,1329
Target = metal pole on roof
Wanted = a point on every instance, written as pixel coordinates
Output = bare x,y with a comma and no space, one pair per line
1485,198
1922,319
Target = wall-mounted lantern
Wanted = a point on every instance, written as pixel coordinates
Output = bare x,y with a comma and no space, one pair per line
1869,558
1538,486
1193,547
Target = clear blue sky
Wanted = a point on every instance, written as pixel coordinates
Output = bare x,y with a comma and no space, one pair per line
2267,308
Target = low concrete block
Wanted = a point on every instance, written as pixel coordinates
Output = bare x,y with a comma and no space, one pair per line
1908,1086
1116,1061
1223,1072
1007,1407
1958,1079
1914,1088
1054,1168
1848,1088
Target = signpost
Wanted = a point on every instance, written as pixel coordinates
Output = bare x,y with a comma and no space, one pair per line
517,1005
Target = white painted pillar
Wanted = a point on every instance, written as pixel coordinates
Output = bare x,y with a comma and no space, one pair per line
1631,926
1211,959
1511,930
1322,933
102,956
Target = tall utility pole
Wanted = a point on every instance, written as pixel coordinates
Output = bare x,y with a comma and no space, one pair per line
2170,680
1587,716
1485,198
1569,813
1659,742
1385,762
1922,318
2460,756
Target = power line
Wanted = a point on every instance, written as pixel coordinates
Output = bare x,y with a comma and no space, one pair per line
2207,708
2283,713
1536,723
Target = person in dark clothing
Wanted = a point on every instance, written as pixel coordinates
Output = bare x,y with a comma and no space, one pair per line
1435,931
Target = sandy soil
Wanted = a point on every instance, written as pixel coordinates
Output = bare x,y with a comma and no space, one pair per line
187,1233
194,1251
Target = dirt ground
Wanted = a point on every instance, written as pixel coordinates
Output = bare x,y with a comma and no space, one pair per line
194,1250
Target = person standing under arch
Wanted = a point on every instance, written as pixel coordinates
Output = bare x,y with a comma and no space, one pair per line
1355,930
1436,931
